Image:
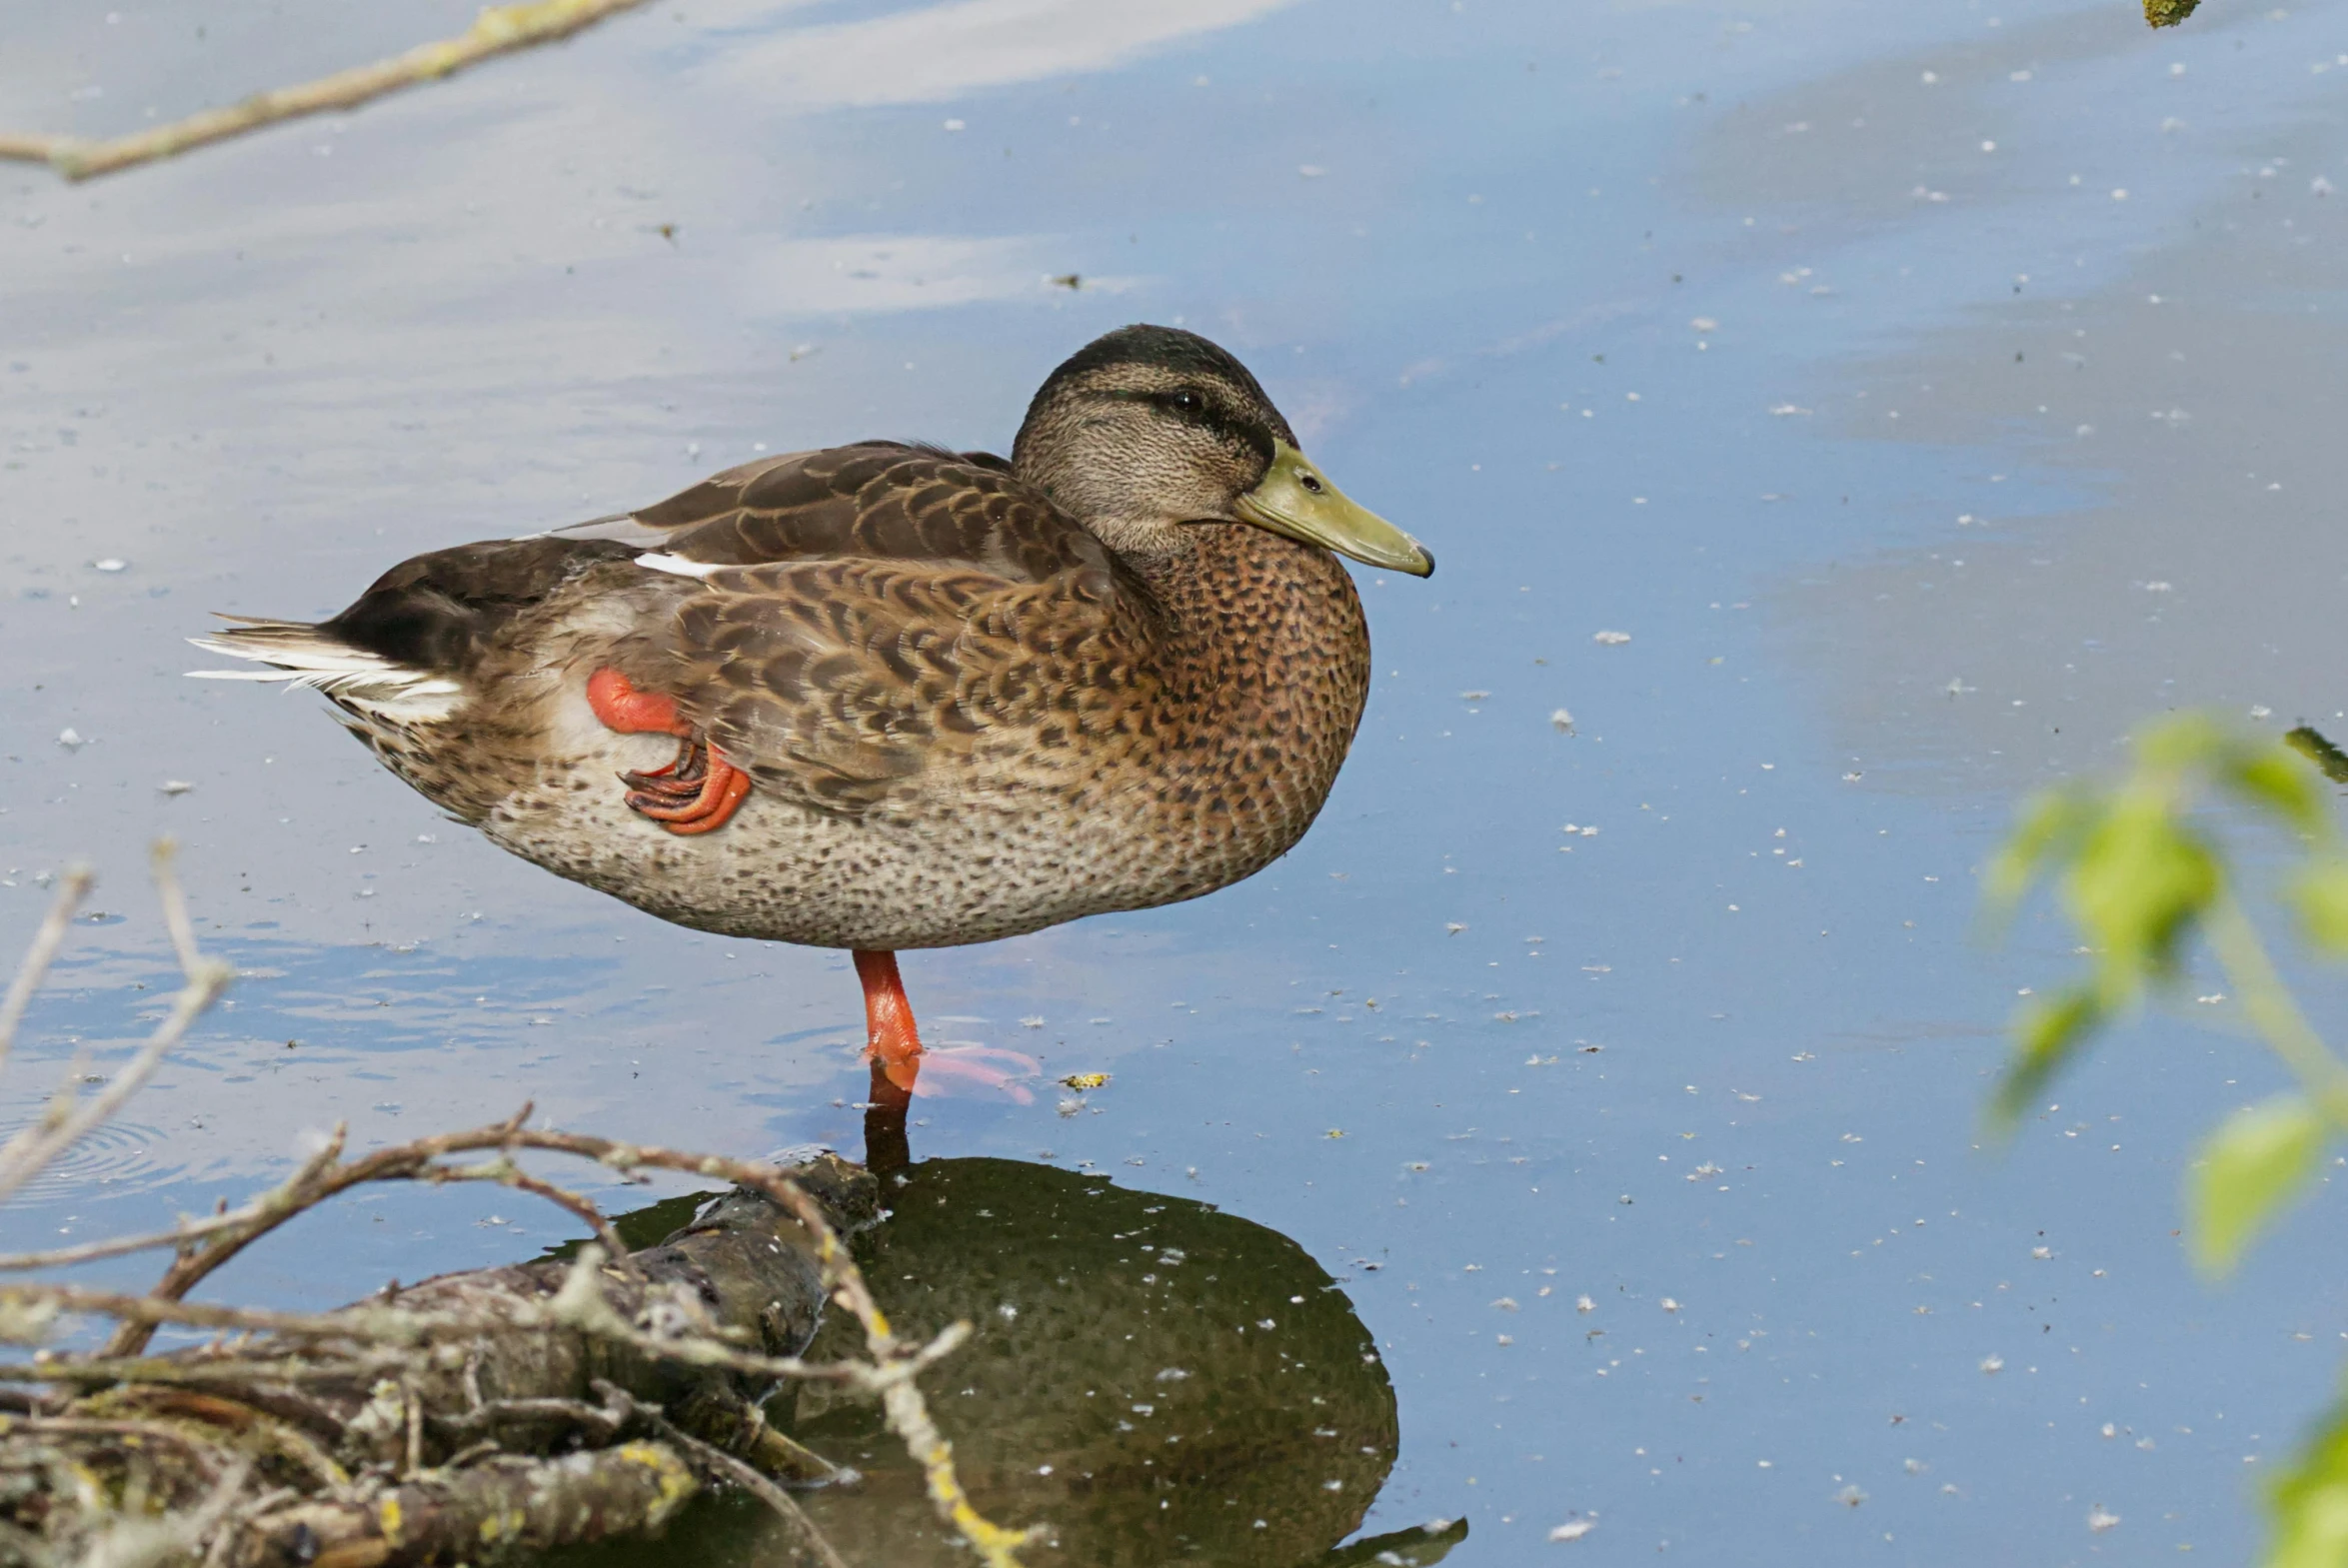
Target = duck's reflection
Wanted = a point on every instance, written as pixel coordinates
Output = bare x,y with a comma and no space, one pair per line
1156,1381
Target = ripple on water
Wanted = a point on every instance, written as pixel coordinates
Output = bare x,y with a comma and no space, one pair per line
118,1158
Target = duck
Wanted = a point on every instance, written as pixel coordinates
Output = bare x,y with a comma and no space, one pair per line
887,695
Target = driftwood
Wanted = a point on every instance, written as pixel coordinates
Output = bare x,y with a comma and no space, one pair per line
477,1417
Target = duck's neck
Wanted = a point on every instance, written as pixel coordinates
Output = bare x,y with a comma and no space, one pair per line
1268,664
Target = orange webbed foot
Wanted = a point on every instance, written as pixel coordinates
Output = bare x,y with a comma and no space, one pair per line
699,791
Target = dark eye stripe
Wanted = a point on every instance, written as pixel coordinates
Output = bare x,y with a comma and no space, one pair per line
1206,415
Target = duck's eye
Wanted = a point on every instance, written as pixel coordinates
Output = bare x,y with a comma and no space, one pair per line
1188,402
1311,481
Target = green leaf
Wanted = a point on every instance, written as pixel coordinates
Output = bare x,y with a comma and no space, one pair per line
2321,894
2270,776
2045,830
2310,1501
2140,880
2046,1034
2256,1161
2183,742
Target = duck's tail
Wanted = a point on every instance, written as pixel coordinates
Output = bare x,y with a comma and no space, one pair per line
302,655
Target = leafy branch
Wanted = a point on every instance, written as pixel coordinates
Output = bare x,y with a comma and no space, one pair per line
2137,868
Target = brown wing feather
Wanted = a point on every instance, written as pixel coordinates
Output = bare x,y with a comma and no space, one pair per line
886,610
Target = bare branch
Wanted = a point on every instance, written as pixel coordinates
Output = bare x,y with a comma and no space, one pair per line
713,1458
505,1172
59,1128
498,30
72,888
278,1203
162,862
320,1178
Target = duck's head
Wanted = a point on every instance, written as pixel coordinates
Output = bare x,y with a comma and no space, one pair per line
1150,429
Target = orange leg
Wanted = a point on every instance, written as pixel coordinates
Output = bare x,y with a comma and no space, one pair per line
891,1038
696,793
894,1046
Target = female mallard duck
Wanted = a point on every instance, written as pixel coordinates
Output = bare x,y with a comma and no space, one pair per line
884,696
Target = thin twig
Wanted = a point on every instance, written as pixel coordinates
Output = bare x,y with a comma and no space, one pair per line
498,30
505,1172
32,1149
319,1179
785,1506
162,866
72,888
393,1324
232,1373
273,1205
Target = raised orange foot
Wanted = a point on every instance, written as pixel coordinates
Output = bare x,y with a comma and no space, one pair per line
696,793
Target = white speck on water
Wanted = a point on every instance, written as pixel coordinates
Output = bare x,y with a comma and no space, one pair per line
111,564
1704,323
1031,1022
70,738
2261,711
956,125
1610,639
1561,720
1310,171
175,786
1993,1363
1572,1530
1851,1496
1453,927
2100,1518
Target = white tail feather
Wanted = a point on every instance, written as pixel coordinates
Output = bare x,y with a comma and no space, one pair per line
341,672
